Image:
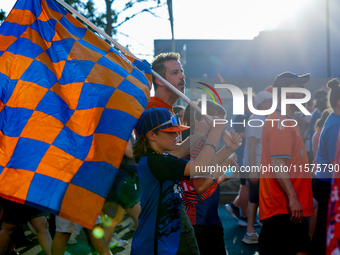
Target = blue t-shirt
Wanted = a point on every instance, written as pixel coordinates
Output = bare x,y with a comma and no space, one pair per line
315,116
327,146
161,198
239,128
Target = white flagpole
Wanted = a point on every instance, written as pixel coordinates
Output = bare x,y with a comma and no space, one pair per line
126,51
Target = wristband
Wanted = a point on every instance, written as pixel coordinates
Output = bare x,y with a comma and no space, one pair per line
213,177
228,173
213,146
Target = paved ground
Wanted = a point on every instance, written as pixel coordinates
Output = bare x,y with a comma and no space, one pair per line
232,232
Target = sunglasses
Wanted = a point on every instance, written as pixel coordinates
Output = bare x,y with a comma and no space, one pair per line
174,120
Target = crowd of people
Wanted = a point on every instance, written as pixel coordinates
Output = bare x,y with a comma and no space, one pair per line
174,207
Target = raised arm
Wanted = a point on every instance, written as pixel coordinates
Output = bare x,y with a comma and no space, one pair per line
183,149
205,158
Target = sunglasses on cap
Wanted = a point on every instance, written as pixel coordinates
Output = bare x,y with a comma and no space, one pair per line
174,120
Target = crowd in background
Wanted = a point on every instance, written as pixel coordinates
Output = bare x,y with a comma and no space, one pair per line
174,210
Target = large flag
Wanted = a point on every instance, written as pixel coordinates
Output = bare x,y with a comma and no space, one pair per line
68,104
333,228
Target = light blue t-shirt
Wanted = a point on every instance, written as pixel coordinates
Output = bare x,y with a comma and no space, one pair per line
327,146
254,131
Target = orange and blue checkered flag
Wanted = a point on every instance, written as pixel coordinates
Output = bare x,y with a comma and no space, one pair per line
68,105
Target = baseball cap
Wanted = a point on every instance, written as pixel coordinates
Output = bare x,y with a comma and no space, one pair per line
287,79
261,96
158,119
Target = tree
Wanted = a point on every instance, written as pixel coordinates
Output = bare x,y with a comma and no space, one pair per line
108,20
2,16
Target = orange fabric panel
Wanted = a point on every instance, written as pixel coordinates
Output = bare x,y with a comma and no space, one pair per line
64,165
42,127
62,33
6,41
48,13
113,57
21,17
14,65
26,95
70,93
20,181
74,21
45,59
125,102
7,146
35,37
85,122
106,77
148,76
81,52
73,204
56,68
140,85
2,105
95,40
104,145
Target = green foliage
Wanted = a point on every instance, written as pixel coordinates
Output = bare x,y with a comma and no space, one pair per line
2,16
108,20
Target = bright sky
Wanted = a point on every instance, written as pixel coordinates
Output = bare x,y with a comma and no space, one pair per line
200,19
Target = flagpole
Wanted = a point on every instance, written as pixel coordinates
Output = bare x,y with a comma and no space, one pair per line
126,51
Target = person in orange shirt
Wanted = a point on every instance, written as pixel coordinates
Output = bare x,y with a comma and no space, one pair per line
168,65
286,198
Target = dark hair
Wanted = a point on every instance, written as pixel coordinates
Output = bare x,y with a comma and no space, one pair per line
212,110
177,108
141,146
188,116
158,64
334,94
321,104
321,121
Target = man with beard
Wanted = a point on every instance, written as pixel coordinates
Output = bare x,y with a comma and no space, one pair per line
169,67
286,198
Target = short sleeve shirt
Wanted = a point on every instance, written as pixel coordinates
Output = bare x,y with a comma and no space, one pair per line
156,102
161,198
327,146
255,130
239,124
281,141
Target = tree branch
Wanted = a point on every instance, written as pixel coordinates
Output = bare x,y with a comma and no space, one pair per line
144,10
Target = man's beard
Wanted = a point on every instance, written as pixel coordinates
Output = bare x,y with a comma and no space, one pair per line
179,87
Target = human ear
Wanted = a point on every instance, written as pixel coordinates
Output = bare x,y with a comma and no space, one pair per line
159,83
151,136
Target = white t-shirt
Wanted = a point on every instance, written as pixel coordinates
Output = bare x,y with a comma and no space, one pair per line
256,132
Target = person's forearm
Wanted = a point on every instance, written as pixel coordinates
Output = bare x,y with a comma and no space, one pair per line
222,155
183,149
201,184
206,156
285,183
